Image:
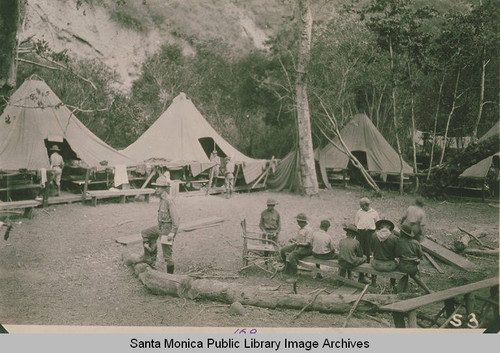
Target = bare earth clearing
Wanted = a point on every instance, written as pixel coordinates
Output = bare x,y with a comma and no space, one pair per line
63,267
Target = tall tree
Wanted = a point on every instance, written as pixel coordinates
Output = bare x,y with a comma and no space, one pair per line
309,180
9,23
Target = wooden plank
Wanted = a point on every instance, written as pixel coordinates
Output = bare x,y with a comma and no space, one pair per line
364,268
64,199
345,280
18,204
447,256
433,262
414,303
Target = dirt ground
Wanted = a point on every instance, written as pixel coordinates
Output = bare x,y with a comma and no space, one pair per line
63,267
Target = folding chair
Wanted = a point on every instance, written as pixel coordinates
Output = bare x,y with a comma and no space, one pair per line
258,250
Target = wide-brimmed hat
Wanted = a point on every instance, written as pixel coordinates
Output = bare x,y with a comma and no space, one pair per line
384,222
271,202
161,181
406,230
55,148
351,228
301,217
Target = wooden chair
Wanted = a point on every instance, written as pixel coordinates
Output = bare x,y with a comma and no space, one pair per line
257,250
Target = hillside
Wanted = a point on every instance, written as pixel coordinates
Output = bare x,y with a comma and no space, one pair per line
122,36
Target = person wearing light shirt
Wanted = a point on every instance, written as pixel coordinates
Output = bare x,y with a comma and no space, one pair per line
365,220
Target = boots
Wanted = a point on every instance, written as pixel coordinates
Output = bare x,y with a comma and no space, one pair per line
170,268
362,279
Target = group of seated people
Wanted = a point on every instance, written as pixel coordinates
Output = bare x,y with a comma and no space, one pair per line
369,239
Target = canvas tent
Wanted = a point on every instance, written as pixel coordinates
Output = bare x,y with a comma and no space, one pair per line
480,169
34,116
360,135
181,134
495,130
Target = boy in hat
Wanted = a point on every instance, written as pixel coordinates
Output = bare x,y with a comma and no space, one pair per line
57,165
301,246
385,249
168,224
350,252
229,177
365,222
270,222
410,253
415,218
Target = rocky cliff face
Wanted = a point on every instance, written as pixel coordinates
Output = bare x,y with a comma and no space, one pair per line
122,36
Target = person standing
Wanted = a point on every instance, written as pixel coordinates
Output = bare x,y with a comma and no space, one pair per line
365,223
385,250
415,219
229,177
168,224
300,247
57,165
350,252
270,222
214,172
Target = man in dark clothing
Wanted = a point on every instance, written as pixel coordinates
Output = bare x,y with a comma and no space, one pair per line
301,246
168,224
350,251
270,222
385,249
410,253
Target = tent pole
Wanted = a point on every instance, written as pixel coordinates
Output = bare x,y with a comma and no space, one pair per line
86,185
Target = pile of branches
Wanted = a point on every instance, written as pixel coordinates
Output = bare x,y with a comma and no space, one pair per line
447,173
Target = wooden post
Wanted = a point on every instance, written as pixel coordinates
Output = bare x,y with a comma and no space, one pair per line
449,305
86,185
469,303
45,202
244,227
28,212
150,176
412,319
123,198
399,319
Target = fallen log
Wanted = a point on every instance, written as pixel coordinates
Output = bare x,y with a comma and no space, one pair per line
481,252
187,287
475,238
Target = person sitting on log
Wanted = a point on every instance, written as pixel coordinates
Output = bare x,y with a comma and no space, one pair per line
270,222
365,220
415,218
410,253
322,244
350,252
168,224
385,250
301,246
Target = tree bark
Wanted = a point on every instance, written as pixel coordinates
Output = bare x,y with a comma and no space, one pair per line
9,19
161,283
413,126
481,96
400,154
307,166
435,126
452,110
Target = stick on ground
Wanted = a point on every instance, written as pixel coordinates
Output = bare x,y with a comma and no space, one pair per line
355,305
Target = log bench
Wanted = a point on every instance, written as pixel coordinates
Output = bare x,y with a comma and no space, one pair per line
122,194
27,205
409,307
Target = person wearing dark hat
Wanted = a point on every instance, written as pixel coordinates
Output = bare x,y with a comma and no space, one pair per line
385,249
229,177
300,247
415,218
57,165
168,224
270,222
350,252
410,253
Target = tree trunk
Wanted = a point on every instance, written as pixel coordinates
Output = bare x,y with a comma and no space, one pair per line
189,287
452,110
9,20
481,97
307,167
396,119
435,126
413,126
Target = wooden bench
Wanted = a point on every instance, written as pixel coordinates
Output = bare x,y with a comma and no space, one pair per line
27,205
363,268
122,194
409,307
